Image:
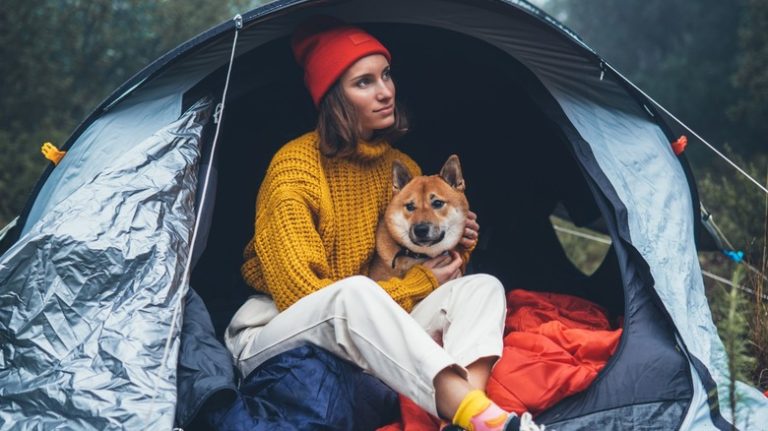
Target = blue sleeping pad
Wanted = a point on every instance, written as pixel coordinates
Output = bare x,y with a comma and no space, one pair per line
306,388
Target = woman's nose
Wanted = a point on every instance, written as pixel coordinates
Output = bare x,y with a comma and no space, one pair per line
385,92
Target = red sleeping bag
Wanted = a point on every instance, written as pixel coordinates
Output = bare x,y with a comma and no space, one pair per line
554,346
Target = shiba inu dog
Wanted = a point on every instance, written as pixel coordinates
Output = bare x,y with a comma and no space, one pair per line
425,218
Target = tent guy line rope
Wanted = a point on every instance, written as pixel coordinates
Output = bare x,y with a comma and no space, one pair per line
184,285
710,146
732,284
600,239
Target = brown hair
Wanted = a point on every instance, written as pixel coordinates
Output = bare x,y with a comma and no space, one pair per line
337,124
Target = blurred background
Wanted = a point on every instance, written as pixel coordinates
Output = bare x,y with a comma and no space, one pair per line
706,61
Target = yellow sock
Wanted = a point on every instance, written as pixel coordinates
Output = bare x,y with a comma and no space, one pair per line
474,403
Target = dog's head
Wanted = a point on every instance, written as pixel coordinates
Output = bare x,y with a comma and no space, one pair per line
427,214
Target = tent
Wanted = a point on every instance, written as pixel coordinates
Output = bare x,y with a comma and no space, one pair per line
156,194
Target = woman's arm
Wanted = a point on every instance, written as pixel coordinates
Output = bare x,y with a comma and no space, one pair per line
292,256
468,241
287,257
294,261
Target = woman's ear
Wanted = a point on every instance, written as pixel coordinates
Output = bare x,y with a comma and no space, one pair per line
451,173
400,176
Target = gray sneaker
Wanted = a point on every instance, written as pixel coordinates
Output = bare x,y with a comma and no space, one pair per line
522,423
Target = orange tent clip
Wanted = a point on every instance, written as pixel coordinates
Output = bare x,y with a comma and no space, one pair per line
679,146
52,153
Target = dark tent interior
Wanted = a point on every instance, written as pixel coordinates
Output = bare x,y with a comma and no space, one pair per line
484,107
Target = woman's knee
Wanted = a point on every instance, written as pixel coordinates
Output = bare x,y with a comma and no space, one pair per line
486,283
360,286
359,282
480,290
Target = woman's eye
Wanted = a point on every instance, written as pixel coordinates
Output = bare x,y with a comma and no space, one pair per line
437,204
363,83
387,74
410,207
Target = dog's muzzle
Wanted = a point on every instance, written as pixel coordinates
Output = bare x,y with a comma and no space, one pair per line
425,234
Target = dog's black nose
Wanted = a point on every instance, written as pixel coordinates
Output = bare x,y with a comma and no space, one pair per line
421,230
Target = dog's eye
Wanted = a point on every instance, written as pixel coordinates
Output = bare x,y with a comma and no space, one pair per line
410,207
437,204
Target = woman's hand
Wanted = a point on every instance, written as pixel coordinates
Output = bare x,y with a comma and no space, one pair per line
471,232
445,267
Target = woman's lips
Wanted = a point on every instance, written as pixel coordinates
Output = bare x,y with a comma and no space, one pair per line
385,110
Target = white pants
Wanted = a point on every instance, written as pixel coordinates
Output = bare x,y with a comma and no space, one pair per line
354,318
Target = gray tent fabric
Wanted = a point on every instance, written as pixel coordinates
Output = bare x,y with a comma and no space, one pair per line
89,293
115,133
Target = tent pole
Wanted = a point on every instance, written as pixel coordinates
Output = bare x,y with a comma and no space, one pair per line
184,285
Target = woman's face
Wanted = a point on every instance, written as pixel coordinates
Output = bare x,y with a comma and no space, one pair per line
368,86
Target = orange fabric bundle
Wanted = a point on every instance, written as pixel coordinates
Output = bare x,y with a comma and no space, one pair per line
554,346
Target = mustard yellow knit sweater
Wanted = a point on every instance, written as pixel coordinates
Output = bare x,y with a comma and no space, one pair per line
316,219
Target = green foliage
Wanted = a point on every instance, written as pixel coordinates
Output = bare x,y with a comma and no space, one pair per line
706,61
61,58
682,53
737,204
752,74
69,55
758,281
732,316
19,169
759,334
743,217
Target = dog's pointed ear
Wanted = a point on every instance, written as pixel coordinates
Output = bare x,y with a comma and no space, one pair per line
451,173
400,176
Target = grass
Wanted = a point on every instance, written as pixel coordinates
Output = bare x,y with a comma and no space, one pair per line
741,314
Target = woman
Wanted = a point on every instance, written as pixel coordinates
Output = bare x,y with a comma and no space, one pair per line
316,214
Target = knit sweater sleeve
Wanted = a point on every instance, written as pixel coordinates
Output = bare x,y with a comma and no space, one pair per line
289,248
286,257
291,251
294,261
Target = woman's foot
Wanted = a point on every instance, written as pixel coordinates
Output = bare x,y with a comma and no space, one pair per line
492,418
478,413
513,423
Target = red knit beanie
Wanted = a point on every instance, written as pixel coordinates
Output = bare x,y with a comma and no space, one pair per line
325,47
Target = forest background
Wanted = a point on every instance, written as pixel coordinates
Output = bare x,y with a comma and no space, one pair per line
706,61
